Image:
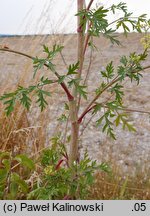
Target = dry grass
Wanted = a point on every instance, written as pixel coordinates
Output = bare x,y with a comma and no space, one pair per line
119,186
18,135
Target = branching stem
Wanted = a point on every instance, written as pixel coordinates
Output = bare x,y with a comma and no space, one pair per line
116,79
63,85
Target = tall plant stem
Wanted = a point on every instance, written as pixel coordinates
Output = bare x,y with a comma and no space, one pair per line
73,154
84,46
80,39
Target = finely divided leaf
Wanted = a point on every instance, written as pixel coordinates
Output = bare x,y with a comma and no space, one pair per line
73,69
41,100
109,72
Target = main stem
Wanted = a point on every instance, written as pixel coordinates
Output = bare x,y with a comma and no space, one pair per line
73,105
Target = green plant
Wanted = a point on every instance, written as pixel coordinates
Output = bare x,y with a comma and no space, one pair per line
12,179
55,179
59,181
91,23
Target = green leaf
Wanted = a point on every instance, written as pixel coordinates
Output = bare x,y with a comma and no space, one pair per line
136,23
46,49
62,118
38,64
111,133
9,100
99,121
123,118
50,156
22,94
109,33
105,167
25,100
80,90
66,106
131,66
41,100
45,81
45,92
25,161
96,18
109,72
100,88
90,178
124,60
3,175
113,106
122,72
7,95
6,163
56,49
121,6
107,127
117,121
10,108
20,182
97,108
129,126
73,69
38,193
125,27
118,93
13,189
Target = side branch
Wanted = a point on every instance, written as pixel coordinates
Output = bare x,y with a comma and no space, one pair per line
120,19
116,79
89,5
123,109
63,85
88,108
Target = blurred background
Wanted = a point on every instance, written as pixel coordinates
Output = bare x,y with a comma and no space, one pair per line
51,16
